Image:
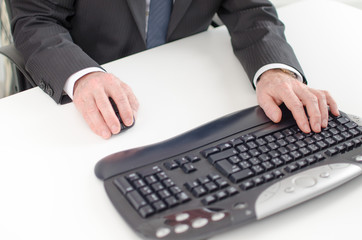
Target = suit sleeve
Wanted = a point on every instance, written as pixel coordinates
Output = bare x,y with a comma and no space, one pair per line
257,35
41,34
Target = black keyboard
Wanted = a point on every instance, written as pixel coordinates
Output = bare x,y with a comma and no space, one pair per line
229,172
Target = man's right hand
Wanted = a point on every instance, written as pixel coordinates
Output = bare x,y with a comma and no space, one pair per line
91,97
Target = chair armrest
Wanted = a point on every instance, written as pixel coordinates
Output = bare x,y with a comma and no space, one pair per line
15,56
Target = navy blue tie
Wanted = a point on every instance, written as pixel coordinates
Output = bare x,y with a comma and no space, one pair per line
160,11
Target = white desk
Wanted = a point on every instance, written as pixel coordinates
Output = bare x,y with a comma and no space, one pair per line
48,154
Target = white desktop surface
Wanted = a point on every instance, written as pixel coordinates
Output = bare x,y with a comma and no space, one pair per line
48,154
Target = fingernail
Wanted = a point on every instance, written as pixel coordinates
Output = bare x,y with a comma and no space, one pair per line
274,116
317,127
325,123
115,129
306,128
105,134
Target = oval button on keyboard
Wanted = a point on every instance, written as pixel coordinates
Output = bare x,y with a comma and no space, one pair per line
305,181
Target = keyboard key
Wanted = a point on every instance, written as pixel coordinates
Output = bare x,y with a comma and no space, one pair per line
168,183
270,139
258,180
211,187
221,195
222,155
268,177
277,162
161,176
291,168
278,135
251,145
247,185
273,145
313,148
311,159
226,168
146,211
145,191
260,141
257,169
182,197
244,164
164,193
175,190
188,168
342,120
232,191
247,137
170,165
278,173
222,183
209,200
267,165
157,186
181,161
331,152
351,125
123,185
136,199
191,185
241,175
199,191
224,146
206,153
171,201
193,158
213,176
242,148
302,163
152,198
159,206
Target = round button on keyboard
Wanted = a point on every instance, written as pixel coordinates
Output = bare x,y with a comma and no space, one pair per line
182,217
162,232
181,228
218,216
305,181
200,222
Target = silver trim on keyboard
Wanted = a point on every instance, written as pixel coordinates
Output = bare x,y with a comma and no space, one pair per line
304,186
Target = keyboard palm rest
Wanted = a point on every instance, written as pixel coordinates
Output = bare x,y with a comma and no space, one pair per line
232,171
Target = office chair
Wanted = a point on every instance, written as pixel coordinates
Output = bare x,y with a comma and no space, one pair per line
22,78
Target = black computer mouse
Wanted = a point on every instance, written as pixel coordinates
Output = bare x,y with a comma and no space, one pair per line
115,108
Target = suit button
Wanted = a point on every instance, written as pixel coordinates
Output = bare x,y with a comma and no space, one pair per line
42,85
49,91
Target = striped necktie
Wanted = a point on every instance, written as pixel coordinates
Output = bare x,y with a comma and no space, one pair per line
159,16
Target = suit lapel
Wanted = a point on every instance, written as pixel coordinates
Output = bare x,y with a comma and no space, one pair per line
138,9
178,11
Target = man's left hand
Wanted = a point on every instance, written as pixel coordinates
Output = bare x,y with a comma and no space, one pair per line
276,87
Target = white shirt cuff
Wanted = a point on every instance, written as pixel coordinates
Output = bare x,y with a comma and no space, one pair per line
274,66
69,84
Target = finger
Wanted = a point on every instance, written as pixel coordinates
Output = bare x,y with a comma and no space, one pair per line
133,101
125,110
270,107
323,106
294,104
108,113
95,120
332,104
311,103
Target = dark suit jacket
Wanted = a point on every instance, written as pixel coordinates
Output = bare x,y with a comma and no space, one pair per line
60,37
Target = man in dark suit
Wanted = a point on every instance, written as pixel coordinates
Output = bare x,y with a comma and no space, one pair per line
64,42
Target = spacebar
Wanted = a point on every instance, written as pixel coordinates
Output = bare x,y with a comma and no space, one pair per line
303,186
